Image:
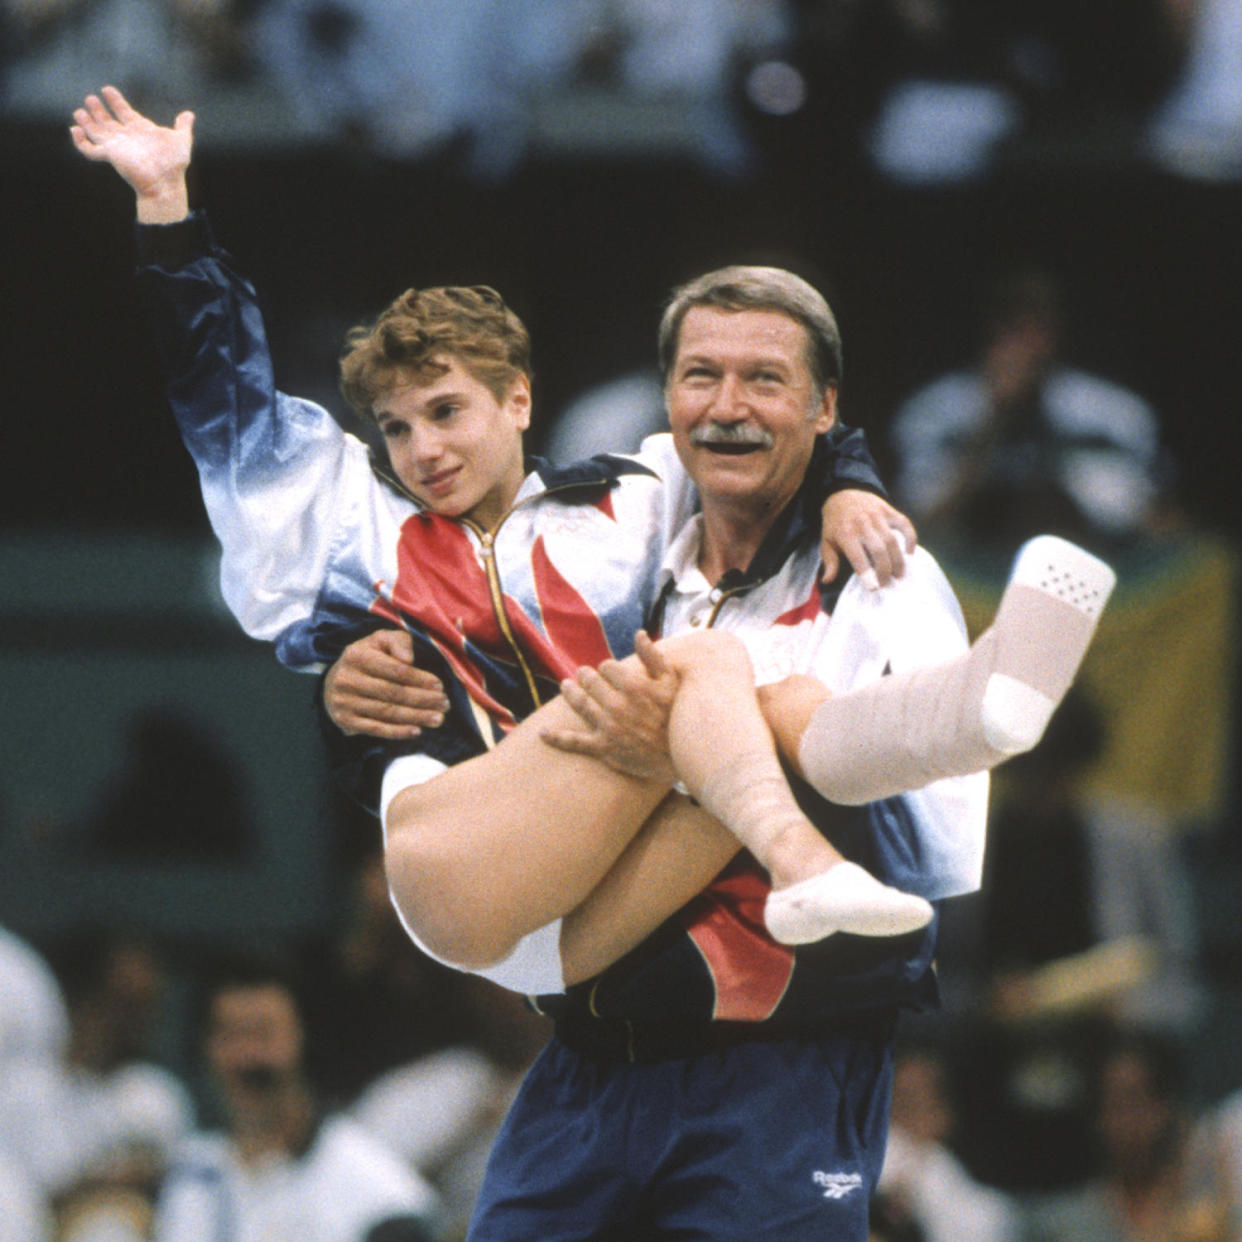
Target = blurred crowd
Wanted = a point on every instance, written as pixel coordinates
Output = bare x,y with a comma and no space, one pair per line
154,1086
947,82
341,1087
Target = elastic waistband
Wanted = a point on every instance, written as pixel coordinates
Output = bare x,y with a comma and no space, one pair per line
617,1040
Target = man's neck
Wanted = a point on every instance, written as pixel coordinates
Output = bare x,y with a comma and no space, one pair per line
731,538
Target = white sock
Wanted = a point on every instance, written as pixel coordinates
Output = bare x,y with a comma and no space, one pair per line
844,898
753,800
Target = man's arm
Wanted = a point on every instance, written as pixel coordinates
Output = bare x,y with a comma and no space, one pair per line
858,522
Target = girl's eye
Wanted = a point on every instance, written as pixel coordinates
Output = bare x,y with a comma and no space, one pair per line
441,412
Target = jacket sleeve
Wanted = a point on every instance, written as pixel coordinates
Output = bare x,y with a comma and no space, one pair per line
850,464
279,476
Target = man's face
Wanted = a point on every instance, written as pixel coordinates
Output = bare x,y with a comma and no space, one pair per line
456,447
742,406
254,1041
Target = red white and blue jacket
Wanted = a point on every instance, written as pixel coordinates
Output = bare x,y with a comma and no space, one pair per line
320,542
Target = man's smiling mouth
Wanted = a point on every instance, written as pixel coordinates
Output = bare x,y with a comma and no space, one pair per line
732,448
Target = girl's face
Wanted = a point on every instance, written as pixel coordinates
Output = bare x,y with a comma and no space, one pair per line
454,445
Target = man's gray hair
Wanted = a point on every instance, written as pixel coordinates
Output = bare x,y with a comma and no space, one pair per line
740,288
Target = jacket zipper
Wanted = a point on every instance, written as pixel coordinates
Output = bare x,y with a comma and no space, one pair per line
487,542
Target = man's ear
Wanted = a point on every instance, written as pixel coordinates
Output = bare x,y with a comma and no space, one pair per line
825,416
519,401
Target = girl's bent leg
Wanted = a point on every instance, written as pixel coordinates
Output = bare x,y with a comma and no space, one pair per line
502,844
677,854
725,754
910,729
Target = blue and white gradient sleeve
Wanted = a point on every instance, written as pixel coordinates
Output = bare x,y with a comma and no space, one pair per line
285,486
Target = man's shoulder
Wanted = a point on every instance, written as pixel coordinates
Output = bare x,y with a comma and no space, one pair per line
923,579
913,622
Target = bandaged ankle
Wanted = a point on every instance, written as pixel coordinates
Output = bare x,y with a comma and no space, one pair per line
913,728
752,798
1042,630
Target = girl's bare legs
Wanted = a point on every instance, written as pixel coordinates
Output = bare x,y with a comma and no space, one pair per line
725,754
676,854
496,847
503,844
910,729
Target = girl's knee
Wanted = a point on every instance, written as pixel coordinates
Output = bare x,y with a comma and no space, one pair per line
714,651
443,905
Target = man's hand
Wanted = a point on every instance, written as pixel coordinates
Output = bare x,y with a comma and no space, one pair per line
151,158
374,688
623,709
873,536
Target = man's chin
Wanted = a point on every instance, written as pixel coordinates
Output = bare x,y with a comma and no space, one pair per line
732,465
726,484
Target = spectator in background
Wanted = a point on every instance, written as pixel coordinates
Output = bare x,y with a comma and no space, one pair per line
923,1182
1197,129
34,1029
94,1129
33,1019
1049,898
373,1000
24,1212
1023,442
962,82
280,1169
1161,1177
57,48
1228,1123
611,417
500,77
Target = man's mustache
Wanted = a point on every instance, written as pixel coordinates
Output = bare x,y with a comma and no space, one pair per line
731,433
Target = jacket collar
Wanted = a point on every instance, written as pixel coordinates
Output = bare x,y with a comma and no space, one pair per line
798,524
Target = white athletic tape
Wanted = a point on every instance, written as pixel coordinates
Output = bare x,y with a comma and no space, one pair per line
1014,715
1066,572
911,728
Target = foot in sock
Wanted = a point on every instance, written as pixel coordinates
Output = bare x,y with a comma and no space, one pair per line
843,898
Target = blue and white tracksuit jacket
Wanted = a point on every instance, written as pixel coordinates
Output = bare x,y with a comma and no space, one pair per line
320,543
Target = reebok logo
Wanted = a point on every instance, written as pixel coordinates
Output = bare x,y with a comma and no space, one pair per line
837,1185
